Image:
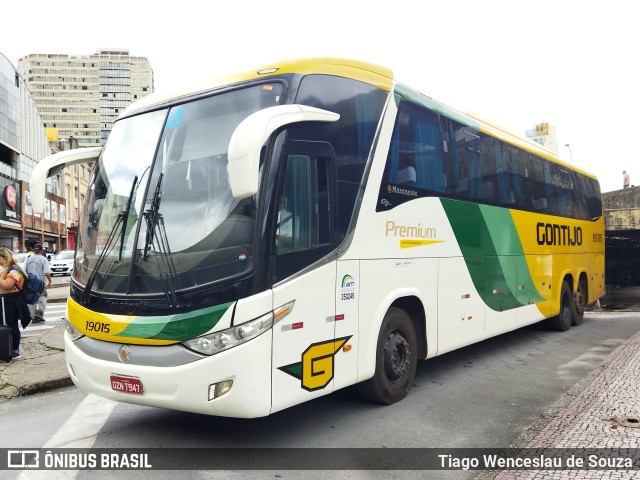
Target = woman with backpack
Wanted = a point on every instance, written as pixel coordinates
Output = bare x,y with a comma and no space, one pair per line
11,280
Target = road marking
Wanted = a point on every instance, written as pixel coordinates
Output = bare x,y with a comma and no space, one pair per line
53,316
79,431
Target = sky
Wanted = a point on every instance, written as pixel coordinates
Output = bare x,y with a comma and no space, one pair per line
574,64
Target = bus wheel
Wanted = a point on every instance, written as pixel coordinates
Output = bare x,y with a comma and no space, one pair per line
562,321
579,303
396,360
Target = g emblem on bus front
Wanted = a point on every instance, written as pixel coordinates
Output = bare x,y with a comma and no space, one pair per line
124,354
315,370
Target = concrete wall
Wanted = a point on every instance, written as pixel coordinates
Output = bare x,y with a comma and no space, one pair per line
622,209
622,236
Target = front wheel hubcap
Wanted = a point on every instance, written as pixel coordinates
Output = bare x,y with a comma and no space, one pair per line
397,356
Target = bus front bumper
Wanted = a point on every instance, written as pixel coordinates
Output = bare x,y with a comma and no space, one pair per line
185,387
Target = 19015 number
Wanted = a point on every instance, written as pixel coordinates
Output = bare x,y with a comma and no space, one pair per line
98,327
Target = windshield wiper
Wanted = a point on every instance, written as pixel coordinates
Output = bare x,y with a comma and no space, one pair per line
152,216
121,221
125,215
156,237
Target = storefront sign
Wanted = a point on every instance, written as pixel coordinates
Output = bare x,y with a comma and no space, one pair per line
10,196
10,209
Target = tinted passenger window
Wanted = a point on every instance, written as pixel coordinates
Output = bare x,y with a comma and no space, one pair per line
360,107
510,172
416,158
540,193
563,189
472,163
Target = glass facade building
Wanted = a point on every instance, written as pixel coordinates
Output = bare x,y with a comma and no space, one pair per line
9,118
23,143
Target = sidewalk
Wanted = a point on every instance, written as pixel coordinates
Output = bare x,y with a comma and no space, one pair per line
604,415
42,366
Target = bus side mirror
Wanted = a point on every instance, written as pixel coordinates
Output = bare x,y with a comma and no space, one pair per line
252,133
47,165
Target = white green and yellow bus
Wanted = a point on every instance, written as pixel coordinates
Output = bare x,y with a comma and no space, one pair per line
274,236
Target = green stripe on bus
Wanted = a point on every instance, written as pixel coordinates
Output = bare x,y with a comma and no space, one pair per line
183,326
492,250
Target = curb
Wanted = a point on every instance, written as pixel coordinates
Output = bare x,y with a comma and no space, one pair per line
56,300
42,368
10,391
44,386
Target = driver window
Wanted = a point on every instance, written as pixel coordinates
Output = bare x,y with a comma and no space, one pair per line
305,220
303,217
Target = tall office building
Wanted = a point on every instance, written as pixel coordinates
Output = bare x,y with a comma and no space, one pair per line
80,96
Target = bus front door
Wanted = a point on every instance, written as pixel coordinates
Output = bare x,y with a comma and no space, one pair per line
303,339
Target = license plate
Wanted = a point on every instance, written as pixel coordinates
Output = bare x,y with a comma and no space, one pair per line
58,269
126,384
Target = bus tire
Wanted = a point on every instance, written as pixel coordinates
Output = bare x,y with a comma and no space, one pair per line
396,360
562,321
579,303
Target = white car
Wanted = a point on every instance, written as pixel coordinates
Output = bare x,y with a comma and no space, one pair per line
22,259
62,263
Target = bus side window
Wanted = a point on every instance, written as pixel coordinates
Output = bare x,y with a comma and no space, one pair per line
417,158
359,106
563,191
473,163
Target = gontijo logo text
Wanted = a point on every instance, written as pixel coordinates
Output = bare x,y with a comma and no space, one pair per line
554,234
411,235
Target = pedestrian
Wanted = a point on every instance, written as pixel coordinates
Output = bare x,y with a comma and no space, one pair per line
10,282
39,266
626,181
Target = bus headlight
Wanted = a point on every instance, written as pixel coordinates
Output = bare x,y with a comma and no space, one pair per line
224,340
73,332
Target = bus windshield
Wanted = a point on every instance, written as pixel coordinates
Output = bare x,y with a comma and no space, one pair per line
160,216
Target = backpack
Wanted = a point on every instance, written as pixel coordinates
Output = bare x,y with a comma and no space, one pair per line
33,286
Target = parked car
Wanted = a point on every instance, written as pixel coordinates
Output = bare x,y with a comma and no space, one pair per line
22,258
62,263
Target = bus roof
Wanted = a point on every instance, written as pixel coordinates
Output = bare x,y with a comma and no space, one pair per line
524,143
366,72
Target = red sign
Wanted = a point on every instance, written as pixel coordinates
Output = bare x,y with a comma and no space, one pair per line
10,196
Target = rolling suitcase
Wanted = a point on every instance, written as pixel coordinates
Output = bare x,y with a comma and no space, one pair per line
5,337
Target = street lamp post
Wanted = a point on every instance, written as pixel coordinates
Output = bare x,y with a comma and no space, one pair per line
570,153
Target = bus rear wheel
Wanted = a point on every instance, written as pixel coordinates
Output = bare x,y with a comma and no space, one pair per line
396,360
579,303
562,321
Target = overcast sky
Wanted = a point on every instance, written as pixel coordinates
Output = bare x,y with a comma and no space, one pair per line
574,64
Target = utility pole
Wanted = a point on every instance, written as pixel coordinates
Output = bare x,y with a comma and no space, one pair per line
570,153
